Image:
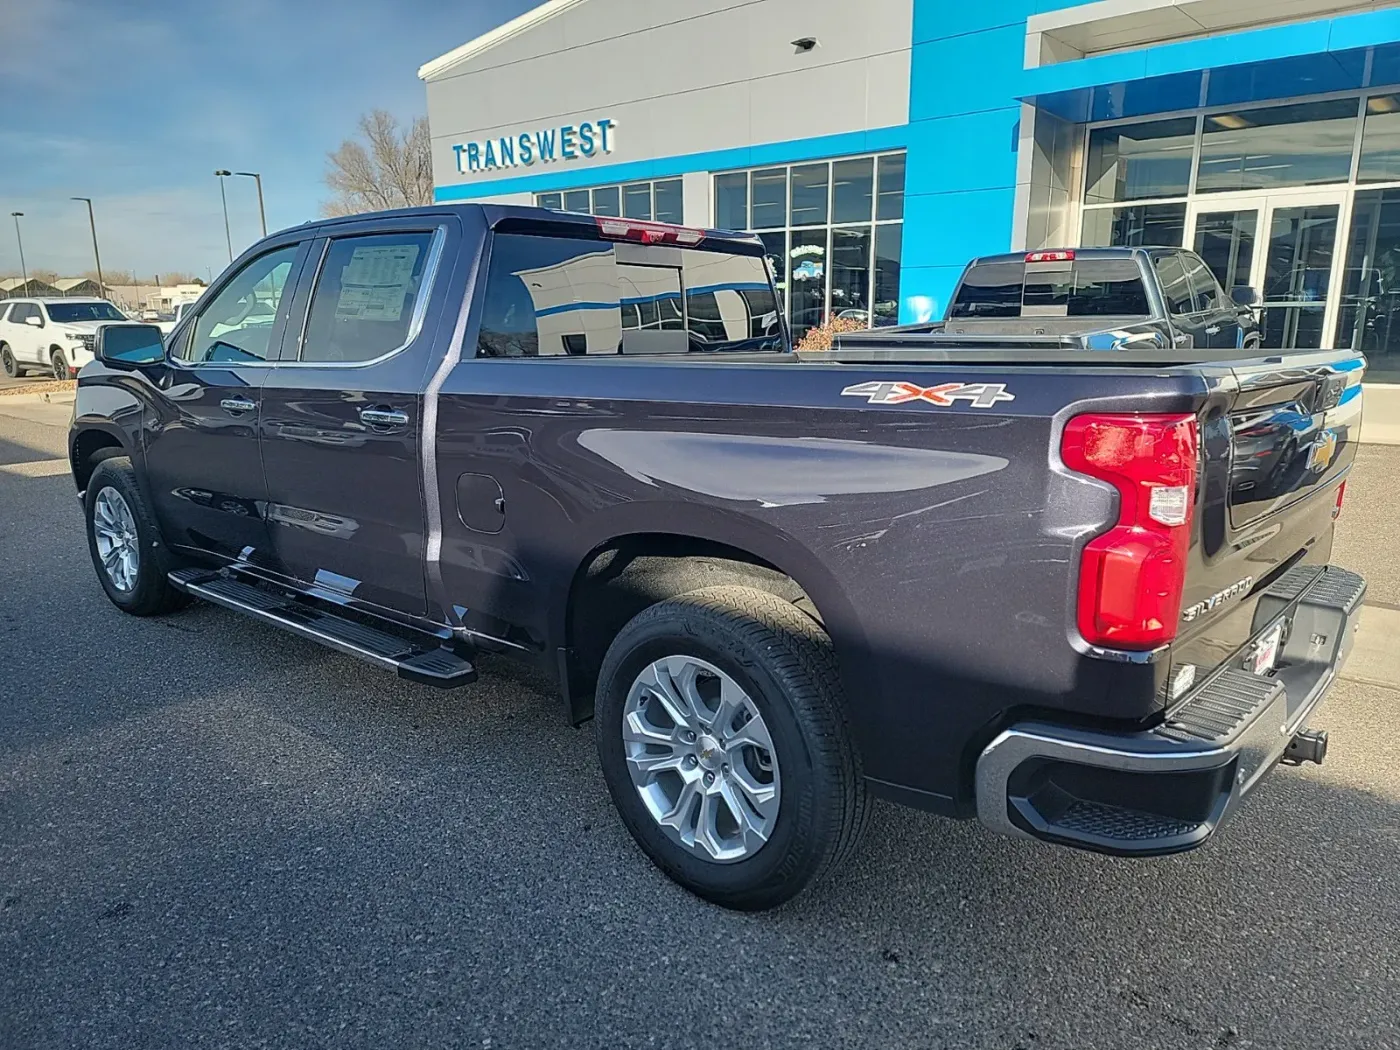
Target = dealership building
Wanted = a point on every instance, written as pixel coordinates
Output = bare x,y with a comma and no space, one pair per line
876,147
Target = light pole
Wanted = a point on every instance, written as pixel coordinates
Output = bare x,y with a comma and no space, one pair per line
262,213
92,223
228,238
20,241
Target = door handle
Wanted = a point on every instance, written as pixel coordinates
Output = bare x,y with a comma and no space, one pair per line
1212,329
384,420
237,404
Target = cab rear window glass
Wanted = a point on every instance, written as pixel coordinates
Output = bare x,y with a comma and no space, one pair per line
1083,288
556,297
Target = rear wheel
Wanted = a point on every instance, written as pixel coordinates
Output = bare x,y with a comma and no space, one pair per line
723,740
8,362
127,551
60,365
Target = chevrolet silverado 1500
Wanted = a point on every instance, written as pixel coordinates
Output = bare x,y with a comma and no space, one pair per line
1084,596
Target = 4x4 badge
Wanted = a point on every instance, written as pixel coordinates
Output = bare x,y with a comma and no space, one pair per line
980,395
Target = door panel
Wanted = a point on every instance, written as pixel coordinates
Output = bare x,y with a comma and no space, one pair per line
202,457
342,416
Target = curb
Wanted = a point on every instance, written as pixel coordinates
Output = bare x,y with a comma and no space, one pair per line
53,397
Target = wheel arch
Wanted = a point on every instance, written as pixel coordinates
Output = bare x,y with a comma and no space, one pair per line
650,558
89,446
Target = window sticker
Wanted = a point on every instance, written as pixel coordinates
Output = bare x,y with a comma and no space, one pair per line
376,282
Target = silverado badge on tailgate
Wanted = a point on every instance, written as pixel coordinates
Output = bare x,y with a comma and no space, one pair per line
979,395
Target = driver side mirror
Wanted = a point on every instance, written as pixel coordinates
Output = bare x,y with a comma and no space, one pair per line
129,345
1243,295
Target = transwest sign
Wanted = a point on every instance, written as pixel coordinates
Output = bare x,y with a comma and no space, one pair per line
566,142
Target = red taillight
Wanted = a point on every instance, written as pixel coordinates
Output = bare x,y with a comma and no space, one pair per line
647,232
1131,577
1064,255
1341,495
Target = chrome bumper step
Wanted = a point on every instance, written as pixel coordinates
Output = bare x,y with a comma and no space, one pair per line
413,661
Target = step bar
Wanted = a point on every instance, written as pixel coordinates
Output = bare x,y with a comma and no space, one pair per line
425,663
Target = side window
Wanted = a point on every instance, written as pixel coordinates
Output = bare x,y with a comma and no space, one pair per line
365,297
1205,288
235,326
554,296
17,313
1176,287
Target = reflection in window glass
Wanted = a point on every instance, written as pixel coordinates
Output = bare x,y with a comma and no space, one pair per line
852,190
891,187
850,273
668,201
729,304
636,200
809,194
534,289
888,244
1380,140
1297,145
806,280
1370,314
769,199
577,200
236,325
549,200
1176,289
1152,225
732,201
607,201
1136,161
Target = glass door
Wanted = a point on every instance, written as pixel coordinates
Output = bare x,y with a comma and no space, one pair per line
1285,247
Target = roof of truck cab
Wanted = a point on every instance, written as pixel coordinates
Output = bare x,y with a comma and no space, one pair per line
55,300
526,216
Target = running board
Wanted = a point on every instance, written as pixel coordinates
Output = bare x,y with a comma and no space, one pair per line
427,664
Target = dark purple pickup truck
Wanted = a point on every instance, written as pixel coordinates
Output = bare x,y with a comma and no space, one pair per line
1084,596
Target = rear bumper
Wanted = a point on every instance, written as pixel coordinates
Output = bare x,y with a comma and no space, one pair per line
1167,789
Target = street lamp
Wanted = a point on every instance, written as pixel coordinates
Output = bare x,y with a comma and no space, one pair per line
262,213
222,173
20,241
92,224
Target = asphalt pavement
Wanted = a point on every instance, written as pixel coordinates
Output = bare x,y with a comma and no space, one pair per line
216,835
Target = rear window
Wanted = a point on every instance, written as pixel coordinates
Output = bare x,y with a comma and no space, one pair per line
556,297
1082,288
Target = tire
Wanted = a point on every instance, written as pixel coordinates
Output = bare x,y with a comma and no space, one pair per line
149,592
59,365
783,661
8,362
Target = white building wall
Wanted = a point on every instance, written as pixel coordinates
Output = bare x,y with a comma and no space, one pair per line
676,77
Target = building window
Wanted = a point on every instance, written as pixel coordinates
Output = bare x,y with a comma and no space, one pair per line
658,201
833,231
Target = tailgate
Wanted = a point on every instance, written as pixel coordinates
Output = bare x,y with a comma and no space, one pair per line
1278,439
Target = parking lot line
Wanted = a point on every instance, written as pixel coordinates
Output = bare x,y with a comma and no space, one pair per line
44,468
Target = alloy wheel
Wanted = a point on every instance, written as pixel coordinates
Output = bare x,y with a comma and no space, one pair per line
60,367
701,758
118,545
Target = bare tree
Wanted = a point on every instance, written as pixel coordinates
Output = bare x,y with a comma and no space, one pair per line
385,168
110,277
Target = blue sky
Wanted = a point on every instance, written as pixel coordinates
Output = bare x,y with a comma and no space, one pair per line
134,103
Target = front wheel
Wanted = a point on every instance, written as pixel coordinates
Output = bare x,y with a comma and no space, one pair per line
127,551
722,737
60,365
